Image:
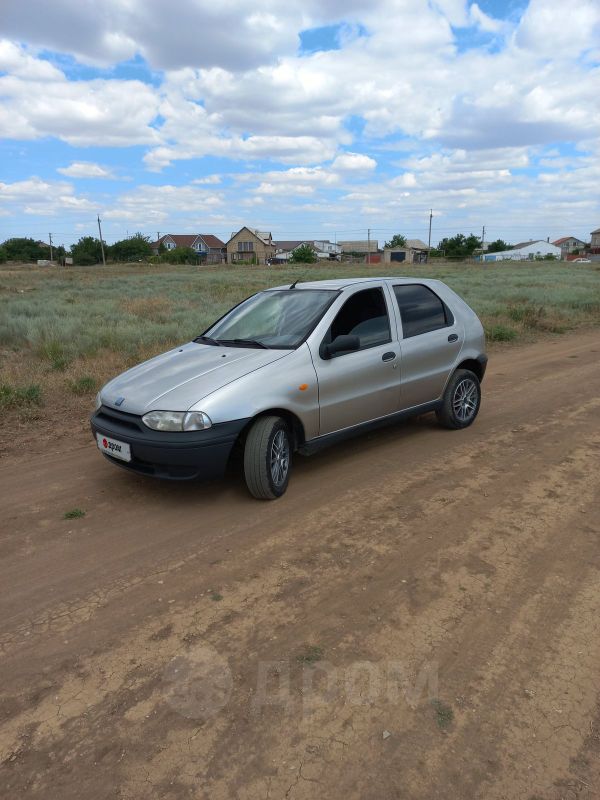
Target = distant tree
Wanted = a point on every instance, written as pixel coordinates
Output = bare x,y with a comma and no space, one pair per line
25,250
136,248
87,251
459,246
397,240
3,255
498,246
59,253
303,255
180,255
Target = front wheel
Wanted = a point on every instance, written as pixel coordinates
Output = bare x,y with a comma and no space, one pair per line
268,458
461,401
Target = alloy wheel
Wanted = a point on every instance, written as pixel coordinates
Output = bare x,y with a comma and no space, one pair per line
280,457
465,399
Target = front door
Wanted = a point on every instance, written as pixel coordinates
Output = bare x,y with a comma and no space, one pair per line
363,384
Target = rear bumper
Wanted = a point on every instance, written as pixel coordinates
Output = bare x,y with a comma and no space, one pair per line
173,456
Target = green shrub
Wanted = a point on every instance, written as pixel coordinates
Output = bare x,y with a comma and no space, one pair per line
15,396
500,333
54,352
83,385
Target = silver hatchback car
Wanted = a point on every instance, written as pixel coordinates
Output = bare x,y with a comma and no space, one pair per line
291,369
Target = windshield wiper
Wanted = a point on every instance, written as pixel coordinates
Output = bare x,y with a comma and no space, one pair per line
206,340
243,343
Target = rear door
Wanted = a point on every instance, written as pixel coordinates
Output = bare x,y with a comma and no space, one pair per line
430,344
361,385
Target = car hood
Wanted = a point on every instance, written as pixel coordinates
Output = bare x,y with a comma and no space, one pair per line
180,378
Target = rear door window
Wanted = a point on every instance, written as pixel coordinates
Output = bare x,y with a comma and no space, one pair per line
421,310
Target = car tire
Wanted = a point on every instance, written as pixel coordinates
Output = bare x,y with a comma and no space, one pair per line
268,458
461,400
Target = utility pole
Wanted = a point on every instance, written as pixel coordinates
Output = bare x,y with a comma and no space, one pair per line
429,240
50,236
101,242
483,239
368,245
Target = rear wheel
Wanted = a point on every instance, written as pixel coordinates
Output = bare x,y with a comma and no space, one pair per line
461,400
268,458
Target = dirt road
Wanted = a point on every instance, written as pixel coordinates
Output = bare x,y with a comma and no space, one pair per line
419,617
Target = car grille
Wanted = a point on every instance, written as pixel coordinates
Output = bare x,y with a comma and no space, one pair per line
124,421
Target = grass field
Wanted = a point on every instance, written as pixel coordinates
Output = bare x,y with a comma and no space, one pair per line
66,331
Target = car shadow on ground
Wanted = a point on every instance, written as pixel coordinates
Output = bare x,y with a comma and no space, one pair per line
322,466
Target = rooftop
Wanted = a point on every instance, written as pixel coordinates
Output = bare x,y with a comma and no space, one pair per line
288,244
526,244
343,283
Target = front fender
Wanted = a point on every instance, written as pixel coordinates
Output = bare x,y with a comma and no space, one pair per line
289,384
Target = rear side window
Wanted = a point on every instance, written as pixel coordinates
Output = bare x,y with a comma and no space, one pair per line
364,315
421,310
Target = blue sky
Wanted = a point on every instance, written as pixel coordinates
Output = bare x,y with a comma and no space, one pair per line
321,121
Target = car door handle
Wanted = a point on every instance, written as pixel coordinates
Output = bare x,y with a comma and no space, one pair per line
389,356
453,337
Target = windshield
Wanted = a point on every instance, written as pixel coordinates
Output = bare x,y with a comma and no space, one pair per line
280,318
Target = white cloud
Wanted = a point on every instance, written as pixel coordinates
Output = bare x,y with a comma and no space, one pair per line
468,124
354,162
154,204
485,22
287,149
558,30
234,34
208,180
18,62
291,189
293,109
38,197
85,169
313,176
38,101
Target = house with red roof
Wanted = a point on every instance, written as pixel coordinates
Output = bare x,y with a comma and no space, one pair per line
568,245
208,247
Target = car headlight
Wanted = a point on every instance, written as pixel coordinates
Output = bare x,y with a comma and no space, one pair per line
98,402
177,420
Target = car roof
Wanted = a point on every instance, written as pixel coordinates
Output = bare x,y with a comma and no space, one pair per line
343,283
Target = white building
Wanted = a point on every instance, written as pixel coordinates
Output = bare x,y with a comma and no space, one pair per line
323,249
525,251
327,249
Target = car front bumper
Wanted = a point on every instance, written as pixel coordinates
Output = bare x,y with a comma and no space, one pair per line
171,455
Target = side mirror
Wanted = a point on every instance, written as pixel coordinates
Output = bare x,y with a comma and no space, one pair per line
341,344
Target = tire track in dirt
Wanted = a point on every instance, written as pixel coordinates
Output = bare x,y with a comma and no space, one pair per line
418,622
498,557
426,633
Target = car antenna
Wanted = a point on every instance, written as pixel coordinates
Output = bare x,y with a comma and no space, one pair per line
293,286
